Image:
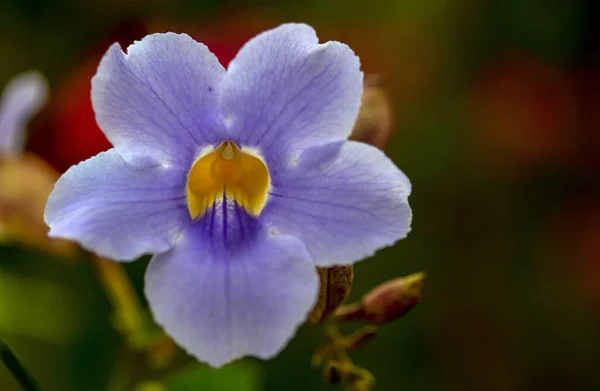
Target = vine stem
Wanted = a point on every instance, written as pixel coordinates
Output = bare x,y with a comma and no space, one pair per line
122,295
16,368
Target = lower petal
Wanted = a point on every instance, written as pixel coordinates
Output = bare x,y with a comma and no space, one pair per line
221,305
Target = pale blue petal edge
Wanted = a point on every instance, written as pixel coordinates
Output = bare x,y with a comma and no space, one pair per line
284,91
117,210
343,200
22,97
157,102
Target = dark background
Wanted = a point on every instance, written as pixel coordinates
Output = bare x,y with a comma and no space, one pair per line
496,122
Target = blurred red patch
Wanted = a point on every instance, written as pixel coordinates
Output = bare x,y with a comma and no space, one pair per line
524,111
67,133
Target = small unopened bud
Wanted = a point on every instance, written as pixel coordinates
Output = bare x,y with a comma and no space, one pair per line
335,285
387,302
374,123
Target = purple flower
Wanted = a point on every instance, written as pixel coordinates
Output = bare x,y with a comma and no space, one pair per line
241,181
22,97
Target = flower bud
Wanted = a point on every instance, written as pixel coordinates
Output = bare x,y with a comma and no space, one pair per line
374,123
335,286
387,302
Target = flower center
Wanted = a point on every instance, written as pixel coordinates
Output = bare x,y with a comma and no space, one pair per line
227,172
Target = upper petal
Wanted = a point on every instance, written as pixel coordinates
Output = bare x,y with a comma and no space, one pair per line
117,210
221,305
22,98
284,91
343,200
158,101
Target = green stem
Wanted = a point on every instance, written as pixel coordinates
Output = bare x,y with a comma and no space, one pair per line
121,375
121,293
18,371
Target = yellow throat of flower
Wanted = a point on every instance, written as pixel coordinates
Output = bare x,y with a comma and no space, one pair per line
227,172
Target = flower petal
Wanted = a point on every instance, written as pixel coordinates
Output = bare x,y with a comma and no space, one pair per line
157,101
23,96
284,91
343,200
222,305
117,210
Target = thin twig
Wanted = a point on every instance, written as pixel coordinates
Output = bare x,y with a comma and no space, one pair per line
16,368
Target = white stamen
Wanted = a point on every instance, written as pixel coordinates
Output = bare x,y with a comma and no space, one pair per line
228,152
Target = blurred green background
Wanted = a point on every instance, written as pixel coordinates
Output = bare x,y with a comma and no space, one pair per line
497,123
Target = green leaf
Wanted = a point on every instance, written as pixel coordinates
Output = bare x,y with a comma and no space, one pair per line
239,376
39,308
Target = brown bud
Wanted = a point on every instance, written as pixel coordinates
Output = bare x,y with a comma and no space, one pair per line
374,123
387,302
26,182
335,284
